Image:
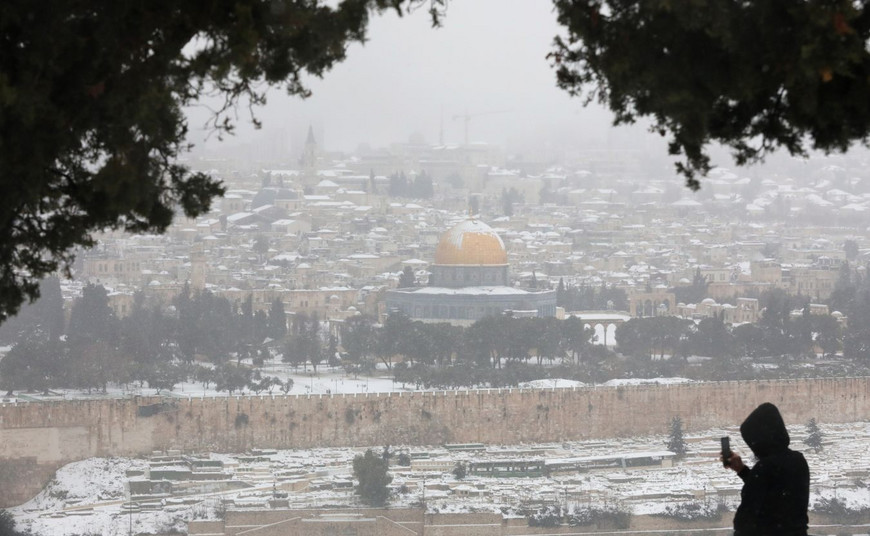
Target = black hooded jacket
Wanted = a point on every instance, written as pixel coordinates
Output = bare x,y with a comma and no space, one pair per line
776,490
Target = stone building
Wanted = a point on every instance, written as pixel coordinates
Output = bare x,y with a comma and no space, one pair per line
469,280
656,302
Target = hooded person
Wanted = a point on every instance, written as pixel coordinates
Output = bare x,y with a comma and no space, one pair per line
776,490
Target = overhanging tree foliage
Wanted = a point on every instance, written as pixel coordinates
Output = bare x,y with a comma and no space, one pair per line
753,76
91,100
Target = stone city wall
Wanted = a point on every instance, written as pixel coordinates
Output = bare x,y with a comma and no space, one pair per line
38,437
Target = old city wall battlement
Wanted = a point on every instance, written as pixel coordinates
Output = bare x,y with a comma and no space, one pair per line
38,437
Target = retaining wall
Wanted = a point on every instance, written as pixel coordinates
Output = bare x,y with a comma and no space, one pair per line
38,437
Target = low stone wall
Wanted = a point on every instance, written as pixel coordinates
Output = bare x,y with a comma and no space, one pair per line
410,521
38,437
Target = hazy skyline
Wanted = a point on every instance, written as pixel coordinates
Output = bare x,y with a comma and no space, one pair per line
489,56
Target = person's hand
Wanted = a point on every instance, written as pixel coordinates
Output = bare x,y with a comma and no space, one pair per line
735,462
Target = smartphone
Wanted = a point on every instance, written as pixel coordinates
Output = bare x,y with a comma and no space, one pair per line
726,451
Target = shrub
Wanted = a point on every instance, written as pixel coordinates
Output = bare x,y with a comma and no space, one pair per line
610,515
371,473
694,511
551,516
840,510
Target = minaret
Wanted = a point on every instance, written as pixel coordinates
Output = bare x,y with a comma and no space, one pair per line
308,160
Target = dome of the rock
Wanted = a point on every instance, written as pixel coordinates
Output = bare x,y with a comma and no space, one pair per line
471,242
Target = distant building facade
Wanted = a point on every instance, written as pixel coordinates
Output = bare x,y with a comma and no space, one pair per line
469,280
656,302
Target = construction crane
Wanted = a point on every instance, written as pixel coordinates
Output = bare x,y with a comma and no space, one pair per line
467,117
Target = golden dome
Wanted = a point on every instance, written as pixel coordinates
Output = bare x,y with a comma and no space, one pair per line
471,242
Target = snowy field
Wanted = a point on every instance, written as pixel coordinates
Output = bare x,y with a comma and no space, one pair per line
327,380
305,381
91,496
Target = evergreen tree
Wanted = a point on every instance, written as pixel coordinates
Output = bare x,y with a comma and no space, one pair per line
510,197
711,338
460,470
46,313
782,336
91,317
814,435
850,248
293,351
187,318
856,339
229,377
243,326
217,330
99,92
749,340
695,292
423,186
753,76
394,338
407,279
165,376
261,330
826,333
445,341
332,358
842,296
676,443
93,340
34,364
370,471
313,346
261,247
576,338
277,320
358,338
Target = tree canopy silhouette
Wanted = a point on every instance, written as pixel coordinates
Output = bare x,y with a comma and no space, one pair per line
92,94
753,76
91,109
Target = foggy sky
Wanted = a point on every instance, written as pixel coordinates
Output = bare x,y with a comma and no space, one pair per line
489,56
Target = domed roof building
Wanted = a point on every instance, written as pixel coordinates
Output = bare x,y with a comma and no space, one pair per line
471,242
469,280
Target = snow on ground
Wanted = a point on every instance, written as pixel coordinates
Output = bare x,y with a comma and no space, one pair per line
646,381
550,383
85,482
327,380
86,497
